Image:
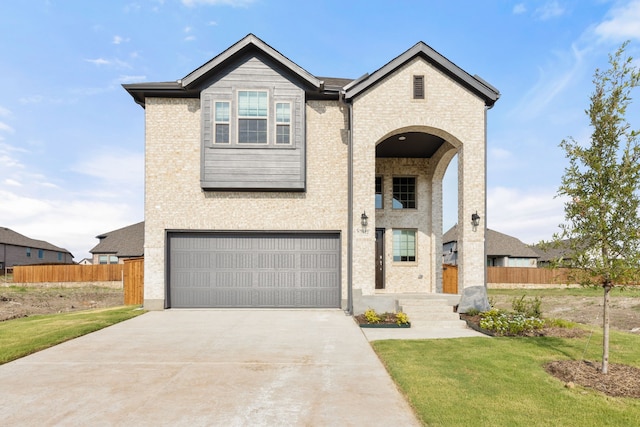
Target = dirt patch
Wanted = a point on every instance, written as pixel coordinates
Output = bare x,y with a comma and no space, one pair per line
23,302
624,313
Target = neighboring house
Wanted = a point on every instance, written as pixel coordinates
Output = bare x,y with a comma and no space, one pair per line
559,254
17,249
119,245
267,186
85,261
502,250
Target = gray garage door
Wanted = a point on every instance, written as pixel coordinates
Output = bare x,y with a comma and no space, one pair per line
254,270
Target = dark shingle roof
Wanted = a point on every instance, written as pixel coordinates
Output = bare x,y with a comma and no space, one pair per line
552,252
124,242
10,237
498,244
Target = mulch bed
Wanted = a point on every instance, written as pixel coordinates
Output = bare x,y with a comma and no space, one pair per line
385,319
620,381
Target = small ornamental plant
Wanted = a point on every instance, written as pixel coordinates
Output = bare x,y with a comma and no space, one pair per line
371,317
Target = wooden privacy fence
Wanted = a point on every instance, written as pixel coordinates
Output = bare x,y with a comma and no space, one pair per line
67,273
535,276
131,273
134,281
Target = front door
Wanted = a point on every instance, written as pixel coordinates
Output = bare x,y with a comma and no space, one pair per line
379,258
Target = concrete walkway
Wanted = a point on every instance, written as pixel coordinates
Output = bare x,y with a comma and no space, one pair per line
208,368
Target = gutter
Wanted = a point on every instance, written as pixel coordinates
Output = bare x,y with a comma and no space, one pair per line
349,204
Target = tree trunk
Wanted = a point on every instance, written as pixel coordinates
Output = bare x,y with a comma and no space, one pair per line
605,329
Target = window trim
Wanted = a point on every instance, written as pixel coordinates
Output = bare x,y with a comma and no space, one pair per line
216,122
264,118
395,247
393,193
276,123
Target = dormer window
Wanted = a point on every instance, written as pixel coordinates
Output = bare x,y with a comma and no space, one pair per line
283,123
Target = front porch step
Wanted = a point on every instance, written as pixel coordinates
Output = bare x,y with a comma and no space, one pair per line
431,313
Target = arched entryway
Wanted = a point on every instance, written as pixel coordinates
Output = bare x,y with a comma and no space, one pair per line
410,166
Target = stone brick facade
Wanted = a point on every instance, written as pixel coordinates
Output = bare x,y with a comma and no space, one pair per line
451,110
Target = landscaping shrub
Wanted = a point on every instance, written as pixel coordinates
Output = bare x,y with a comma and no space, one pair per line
504,323
527,307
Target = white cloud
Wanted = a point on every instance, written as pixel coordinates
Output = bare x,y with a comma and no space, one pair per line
552,82
129,79
70,224
119,40
4,112
549,10
98,61
529,215
623,24
12,182
500,154
5,127
116,169
190,38
519,9
233,3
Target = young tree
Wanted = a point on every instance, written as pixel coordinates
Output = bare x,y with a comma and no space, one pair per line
602,184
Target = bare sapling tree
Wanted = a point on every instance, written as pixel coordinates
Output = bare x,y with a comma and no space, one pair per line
601,185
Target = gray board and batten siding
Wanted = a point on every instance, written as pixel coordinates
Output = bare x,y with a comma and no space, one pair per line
267,167
253,270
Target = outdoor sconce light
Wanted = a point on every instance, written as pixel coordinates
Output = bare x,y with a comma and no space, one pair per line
364,219
475,220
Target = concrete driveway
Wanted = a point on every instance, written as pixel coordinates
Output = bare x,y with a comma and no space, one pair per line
208,368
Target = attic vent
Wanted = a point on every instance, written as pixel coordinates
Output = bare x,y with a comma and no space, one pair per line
418,87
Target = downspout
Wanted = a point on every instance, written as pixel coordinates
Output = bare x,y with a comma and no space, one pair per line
485,196
349,204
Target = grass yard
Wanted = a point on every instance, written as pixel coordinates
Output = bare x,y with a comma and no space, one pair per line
21,337
502,382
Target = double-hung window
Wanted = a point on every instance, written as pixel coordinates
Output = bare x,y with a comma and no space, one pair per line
404,245
221,116
283,123
252,117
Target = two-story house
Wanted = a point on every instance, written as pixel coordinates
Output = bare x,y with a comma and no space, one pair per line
268,186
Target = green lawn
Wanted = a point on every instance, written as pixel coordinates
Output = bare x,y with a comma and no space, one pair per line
501,381
20,337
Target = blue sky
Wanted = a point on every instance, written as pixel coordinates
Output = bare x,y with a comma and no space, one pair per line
72,140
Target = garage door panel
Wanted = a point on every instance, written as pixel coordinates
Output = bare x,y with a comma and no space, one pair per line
254,270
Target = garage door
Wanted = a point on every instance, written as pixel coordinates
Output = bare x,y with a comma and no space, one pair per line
253,270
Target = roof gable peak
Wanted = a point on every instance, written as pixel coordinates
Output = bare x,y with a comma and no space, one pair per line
250,41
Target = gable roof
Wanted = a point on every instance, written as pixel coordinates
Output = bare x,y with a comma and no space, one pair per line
553,252
123,242
189,86
10,237
498,244
474,83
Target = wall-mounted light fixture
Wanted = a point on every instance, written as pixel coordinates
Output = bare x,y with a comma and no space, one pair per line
364,219
475,220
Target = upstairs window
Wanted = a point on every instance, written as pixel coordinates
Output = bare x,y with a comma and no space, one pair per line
40,254
404,193
283,123
221,117
28,252
59,256
378,192
252,117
